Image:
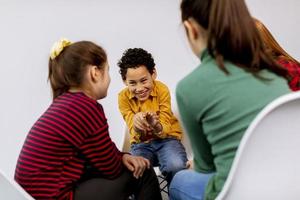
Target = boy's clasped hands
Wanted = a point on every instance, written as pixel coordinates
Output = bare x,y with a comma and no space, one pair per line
147,124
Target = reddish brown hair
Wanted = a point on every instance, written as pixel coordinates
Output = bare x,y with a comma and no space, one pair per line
271,44
68,68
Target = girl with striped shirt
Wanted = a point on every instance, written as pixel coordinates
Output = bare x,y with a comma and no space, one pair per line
68,153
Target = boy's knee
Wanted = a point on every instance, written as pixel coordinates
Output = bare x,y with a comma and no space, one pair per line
175,166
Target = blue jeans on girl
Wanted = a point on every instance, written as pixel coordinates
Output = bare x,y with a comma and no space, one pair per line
189,185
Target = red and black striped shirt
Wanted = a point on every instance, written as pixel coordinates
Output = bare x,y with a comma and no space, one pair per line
293,71
71,133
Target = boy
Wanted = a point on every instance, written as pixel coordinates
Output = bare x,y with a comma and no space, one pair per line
145,105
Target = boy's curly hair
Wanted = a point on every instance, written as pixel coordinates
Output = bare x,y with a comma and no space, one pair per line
134,58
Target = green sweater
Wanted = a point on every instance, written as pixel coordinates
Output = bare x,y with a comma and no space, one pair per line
216,110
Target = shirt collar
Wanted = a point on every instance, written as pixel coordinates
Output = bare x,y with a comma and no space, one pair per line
131,96
204,55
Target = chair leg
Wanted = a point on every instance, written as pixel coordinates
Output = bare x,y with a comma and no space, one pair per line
163,184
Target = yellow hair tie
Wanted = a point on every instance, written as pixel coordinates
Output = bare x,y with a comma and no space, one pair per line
58,47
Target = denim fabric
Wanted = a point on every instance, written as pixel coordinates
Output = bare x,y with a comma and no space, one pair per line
169,154
189,185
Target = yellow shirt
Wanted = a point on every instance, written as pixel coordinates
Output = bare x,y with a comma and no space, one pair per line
159,102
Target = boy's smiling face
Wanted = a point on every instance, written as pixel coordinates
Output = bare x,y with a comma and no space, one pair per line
140,82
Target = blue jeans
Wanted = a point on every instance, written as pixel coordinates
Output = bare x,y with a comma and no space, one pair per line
189,185
169,154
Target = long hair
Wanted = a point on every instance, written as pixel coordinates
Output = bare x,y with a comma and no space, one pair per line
271,44
68,68
232,34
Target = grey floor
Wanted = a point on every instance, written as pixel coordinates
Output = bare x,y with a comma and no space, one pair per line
165,196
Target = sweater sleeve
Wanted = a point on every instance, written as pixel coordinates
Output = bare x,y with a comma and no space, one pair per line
100,151
103,154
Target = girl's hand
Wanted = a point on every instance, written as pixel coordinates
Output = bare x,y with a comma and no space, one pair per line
136,164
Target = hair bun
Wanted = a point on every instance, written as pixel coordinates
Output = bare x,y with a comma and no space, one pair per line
58,47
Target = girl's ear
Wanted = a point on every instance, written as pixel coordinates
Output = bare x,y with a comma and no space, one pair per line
197,36
95,73
154,74
191,29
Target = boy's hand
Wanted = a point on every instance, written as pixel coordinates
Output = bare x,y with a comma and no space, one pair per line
140,123
153,121
136,164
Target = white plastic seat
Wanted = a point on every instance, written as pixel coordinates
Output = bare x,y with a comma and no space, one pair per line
11,190
267,163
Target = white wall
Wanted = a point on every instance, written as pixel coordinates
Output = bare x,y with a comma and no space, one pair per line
28,29
282,19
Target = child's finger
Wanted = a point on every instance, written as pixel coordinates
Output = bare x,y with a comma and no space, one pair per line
139,125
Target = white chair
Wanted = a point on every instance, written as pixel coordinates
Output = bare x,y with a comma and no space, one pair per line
267,163
10,190
126,140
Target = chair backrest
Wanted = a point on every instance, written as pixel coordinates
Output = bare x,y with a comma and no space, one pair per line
11,190
126,141
267,163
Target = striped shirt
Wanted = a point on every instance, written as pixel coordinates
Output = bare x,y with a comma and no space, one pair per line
72,133
293,69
